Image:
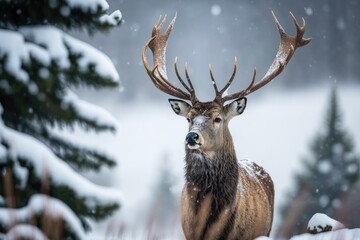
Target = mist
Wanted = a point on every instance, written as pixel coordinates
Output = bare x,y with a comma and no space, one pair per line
280,119
214,32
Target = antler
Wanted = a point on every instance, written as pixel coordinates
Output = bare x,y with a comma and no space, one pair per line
287,48
158,74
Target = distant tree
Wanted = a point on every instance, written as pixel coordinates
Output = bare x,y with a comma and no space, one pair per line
164,208
329,174
39,65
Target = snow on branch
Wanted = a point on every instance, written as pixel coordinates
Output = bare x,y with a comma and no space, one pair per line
22,146
41,204
113,19
90,111
60,45
90,55
24,231
17,52
92,5
320,222
343,234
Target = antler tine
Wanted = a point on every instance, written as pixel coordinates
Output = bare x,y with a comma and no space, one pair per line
287,48
188,77
160,21
179,77
213,82
231,78
192,90
158,75
300,31
243,92
252,82
164,85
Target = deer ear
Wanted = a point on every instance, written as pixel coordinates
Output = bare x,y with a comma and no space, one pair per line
180,107
235,108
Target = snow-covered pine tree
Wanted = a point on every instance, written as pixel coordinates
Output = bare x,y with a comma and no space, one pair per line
39,65
329,174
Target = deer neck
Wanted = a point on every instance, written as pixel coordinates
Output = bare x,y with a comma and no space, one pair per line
216,174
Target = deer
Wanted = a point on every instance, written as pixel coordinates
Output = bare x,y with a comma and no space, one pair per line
222,198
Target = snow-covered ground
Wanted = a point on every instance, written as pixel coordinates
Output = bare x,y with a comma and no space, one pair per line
275,131
343,234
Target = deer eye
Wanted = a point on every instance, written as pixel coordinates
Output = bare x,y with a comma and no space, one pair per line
217,120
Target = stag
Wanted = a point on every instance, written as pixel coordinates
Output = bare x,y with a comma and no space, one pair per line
223,198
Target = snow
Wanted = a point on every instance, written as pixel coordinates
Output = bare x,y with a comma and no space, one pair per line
340,24
338,149
59,44
274,131
52,39
343,234
334,230
2,152
352,168
40,204
319,222
90,55
22,174
249,166
324,201
12,46
215,10
309,11
112,19
90,111
24,231
198,123
92,5
325,166
41,158
39,54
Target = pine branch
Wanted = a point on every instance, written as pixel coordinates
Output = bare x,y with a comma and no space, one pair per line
61,13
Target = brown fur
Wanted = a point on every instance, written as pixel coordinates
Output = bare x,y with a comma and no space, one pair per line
223,198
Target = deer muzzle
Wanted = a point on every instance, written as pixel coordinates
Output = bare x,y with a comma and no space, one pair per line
192,140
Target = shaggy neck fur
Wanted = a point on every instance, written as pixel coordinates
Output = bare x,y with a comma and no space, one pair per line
216,174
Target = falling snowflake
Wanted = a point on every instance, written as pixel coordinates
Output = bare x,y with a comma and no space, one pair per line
215,10
309,11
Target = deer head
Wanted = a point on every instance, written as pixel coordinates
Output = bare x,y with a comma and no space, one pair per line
208,121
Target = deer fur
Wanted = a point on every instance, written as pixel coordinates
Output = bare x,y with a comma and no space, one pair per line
223,198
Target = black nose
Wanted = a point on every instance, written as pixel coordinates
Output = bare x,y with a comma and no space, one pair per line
191,138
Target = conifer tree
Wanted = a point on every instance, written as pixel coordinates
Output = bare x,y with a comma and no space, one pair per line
329,173
40,64
164,206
